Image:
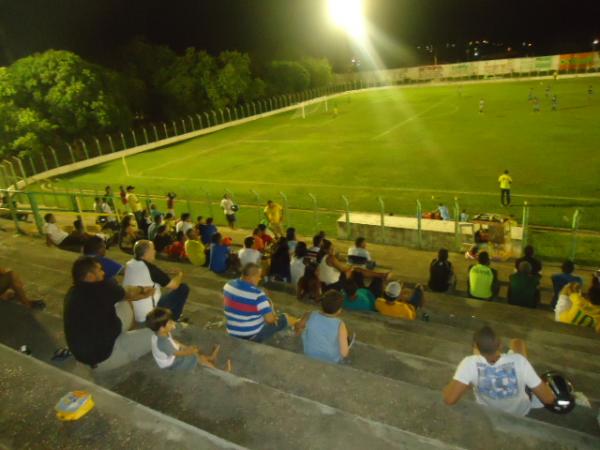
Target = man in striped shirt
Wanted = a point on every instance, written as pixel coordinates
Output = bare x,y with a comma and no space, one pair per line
248,310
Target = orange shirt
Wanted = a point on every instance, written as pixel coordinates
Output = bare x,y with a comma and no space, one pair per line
398,309
259,244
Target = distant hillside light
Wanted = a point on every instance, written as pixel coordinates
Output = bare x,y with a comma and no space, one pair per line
348,15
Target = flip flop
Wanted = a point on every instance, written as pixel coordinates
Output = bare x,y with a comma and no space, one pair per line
60,354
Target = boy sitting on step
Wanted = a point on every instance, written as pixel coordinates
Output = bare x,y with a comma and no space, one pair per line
393,305
324,334
170,354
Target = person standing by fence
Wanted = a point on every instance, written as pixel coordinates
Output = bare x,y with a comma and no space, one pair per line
505,184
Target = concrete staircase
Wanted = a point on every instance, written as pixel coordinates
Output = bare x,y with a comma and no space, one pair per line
388,395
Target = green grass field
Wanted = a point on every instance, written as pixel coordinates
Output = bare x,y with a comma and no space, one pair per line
403,144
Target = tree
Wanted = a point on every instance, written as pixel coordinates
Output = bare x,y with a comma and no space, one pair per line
319,70
234,78
283,77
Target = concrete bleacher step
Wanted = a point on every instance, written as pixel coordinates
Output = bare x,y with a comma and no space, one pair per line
235,408
398,404
29,389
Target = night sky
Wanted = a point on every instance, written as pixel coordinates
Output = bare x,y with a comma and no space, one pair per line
268,29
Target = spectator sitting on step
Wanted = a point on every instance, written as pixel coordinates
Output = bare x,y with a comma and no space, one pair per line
95,247
153,227
154,212
464,216
324,334
444,213
359,255
145,222
264,235
194,248
560,280
219,255
98,317
259,244
574,309
249,254
536,264
55,236
309,286
11,286
483,280
290,235
499,380
176,250
184,224
524,287
441,273
141,271
169,222
198,225
332,272
249,312
171,354
298,262
393,305
163,240
358,297
280,261
313,251
128,235
207,230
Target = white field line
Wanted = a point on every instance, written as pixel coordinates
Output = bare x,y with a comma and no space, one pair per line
410,119
363,188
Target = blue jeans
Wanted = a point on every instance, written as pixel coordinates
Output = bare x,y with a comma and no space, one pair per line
269,330
175,300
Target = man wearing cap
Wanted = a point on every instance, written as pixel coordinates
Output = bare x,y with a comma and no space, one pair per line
135,205
393,305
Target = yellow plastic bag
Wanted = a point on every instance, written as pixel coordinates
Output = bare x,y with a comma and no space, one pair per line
74,405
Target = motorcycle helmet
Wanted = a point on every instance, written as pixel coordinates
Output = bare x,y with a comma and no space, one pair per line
563,391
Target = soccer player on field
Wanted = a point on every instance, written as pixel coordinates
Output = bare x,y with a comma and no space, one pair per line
536,105
505,182
481,106
554,103
530,96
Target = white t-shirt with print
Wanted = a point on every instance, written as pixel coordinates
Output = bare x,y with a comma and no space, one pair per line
297,268
138,274
183,226
501,385
249,255
226,205
360,252
54,232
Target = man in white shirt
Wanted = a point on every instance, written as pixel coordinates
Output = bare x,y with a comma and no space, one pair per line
228,208
359,255
499,380
249,254
54,234
184,224
140,271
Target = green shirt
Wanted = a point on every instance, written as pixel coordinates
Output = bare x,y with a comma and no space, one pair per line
363,301
481,281
523,290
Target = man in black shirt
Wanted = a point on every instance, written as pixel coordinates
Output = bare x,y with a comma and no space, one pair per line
536,264
95,333
441,274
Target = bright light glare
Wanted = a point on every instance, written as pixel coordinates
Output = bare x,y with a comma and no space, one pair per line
348,14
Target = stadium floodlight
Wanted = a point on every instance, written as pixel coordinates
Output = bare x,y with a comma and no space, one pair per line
348,15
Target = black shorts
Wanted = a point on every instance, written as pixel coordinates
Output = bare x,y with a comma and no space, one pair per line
230,218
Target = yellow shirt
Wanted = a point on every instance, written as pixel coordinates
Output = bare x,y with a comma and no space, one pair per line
582,313
398,309
195,252
274,213
505,181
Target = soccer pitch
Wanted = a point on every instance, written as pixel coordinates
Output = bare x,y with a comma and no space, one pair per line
407,143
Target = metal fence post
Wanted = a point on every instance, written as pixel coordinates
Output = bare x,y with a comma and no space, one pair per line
35,210
207,119
54,155
111,143
174,128
85,150
183,126
166,130
286,210
456,223
191,123
347,215
525,237
228,114
315,213
44,162
13,213
214,114
575,228
71,152
382,217
135,144
98,146
5,179
155,132
15,179
145,134
222,116
259,203
200,120
123,140
33,171
419,225
21,169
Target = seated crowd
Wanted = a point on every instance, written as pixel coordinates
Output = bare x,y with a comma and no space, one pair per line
110,321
